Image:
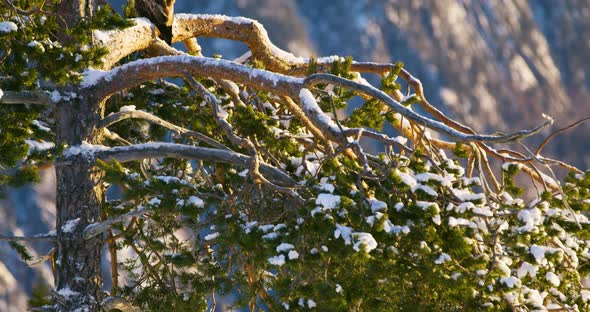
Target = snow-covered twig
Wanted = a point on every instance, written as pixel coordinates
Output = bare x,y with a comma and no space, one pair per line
97,228
427,122
25,97
38,237
159,150
116,117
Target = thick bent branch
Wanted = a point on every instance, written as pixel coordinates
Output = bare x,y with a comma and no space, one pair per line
140,36
134,73
158,150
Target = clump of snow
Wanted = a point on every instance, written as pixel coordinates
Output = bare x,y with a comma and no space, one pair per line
36,45
55,96
552,278
92,76
7,27
527,269
39,146
427,176
194,200
406,178
211,236
329,59
376,205
442,258
344,232
426,189
40,125
244,173
70,225
360,239
284,247
85,149
66,292
539,252
506,165
328,201
531,218
457,221
293,255
401,140
364,241
328,187
510,281
127,108
157,91
277,260
155,201
466,196
270,236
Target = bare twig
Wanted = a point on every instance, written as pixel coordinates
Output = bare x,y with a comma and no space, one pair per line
25,97
116,117
562,130
38,237
158,150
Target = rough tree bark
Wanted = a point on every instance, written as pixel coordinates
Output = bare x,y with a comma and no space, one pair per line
79,194
79,198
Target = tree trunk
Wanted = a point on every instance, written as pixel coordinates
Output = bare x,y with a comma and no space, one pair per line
79,201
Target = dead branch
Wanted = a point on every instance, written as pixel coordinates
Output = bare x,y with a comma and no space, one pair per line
160,150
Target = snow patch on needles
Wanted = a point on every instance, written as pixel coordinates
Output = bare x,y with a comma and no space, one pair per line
194,200
39,146
285,247
7,27
277,260
362,241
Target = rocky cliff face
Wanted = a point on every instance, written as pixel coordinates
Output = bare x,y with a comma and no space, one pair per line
494,65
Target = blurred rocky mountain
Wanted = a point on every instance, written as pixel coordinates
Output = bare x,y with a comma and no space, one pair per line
494,65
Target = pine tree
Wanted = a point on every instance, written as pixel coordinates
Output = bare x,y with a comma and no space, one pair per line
210,178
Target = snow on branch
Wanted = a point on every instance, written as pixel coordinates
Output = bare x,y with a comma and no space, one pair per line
97,228
39,237
406,112
24,97
133,73
159,150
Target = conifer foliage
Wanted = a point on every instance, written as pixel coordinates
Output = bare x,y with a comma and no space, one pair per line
242,183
